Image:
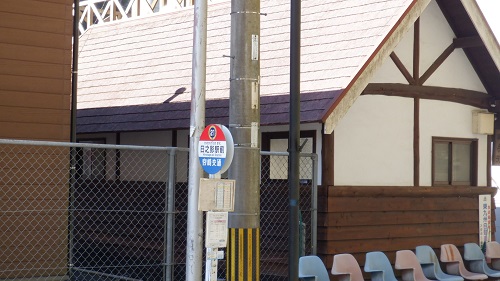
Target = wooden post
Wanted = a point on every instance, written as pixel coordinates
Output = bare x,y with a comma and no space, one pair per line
327,159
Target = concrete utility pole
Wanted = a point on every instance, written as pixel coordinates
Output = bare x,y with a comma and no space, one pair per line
194,248
243,255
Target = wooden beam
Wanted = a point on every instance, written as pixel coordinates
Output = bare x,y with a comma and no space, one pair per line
118,157
416,141
402,68
174,138
327,156
468,42
468,97
437,63
409,191
416,51
489,144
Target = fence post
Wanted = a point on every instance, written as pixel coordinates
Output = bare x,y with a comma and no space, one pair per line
314,205
169,223
71,208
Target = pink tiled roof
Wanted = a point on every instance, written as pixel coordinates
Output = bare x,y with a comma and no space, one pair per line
146,60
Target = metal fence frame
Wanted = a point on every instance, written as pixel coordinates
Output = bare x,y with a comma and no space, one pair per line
170,212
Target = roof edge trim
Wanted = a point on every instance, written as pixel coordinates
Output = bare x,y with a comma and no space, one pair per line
483,29
340,107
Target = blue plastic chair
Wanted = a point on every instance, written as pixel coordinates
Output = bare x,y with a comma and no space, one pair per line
477,261
379,267
430,265
312,268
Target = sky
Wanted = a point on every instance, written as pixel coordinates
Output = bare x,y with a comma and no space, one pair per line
491,11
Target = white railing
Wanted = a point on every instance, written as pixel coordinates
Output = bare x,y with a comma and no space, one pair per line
94,12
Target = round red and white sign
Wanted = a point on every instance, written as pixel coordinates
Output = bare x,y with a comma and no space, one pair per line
213,148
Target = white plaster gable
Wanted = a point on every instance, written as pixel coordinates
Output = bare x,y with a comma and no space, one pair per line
435,36
388,72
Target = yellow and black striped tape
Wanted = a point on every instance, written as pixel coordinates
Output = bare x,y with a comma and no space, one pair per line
243,260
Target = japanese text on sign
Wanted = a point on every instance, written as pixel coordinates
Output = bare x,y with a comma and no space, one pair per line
484,219
212,149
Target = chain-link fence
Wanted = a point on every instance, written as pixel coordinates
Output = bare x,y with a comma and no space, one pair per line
274,212
107,212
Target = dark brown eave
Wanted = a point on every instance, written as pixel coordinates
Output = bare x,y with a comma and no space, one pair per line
473,45
175,115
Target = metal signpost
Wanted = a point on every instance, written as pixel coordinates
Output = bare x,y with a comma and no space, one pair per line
215,152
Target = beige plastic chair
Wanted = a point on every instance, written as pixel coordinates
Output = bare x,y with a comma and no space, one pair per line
493,254
455,264
346,266
410,267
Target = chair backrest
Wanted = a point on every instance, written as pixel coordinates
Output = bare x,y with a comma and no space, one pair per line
472,252
407,261
379,266
347,267
493,250
425,254
493,254
312,266
450,253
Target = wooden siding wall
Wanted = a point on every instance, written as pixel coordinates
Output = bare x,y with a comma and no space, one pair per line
35,69
35,94
360,219
33,211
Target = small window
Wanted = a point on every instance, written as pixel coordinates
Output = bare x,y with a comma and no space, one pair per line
275,167
454,161
91,162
